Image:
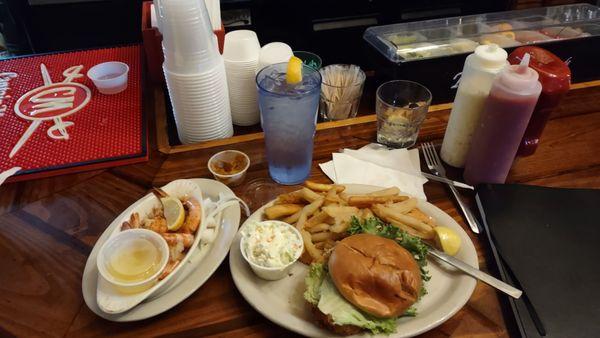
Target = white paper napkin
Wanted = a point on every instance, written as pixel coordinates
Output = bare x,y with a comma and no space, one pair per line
376,165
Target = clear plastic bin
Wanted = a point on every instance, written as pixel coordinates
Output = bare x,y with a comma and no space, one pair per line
420,40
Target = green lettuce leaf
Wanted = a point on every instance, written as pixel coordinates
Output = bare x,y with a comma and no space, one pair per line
313,281
343,313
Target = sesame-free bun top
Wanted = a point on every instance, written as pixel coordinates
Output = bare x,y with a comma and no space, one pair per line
375,274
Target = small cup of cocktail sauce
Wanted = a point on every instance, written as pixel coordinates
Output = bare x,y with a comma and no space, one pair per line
229,167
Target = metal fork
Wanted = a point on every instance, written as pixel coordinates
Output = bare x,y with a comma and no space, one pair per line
435,166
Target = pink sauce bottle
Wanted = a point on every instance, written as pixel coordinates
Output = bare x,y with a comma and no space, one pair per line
503,121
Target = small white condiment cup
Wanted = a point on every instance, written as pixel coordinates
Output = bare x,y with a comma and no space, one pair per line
125,238
227,156
109,77
274,273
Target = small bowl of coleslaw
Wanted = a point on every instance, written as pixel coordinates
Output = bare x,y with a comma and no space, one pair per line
271,248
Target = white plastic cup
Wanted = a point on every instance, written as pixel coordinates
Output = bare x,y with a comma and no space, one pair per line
122,239
272,53
240,53
200,104
191,62
189,43
109,77
234,179
241,45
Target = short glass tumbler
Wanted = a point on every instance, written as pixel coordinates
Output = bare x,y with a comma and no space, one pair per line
288,117
401,108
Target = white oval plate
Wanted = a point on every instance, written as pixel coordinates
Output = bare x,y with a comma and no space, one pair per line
108,297
283,303
201,264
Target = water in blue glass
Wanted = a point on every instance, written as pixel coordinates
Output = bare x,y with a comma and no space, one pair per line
288,117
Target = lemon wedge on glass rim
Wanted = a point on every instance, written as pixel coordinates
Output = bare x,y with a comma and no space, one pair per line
174,212
293,74
447,239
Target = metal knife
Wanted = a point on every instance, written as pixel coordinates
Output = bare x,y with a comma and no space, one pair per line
478,274
447,181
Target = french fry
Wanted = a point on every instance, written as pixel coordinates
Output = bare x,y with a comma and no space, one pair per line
423,217
301,221
330,243
393,191
318,228
387,213
323,187
367,213
363,201
309,195
323,212
308,210
342,216
395,223
321,236
332,198
315,253
306,258
281,210
344,196
294,197
317,218
313,207
409,230
404,206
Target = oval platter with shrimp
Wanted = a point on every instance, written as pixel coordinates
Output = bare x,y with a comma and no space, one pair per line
149,214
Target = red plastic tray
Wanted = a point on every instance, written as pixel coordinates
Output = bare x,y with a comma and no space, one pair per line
74,127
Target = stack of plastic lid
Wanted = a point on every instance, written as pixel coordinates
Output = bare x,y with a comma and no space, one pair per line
272,53
194,72
240,51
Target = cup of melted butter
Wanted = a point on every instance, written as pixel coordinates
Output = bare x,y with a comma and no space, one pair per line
133,260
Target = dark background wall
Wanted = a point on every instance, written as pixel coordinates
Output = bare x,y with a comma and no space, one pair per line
331,28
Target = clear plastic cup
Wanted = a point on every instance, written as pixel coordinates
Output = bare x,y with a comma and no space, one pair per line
288,119
241,45
109,77
310,59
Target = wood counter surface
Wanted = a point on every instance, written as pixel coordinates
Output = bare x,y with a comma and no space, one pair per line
48,228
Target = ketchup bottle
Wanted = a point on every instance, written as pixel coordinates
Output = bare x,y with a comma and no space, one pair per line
503,121
555,77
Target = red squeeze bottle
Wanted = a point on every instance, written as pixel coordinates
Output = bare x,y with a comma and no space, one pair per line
555,77
505,116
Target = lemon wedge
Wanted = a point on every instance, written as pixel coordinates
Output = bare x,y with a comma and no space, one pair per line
174,212
447,239
294,71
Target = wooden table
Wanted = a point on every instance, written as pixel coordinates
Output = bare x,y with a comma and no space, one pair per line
48,228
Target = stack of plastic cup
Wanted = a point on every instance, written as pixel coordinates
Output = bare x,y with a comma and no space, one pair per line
194,72
272,53
240,52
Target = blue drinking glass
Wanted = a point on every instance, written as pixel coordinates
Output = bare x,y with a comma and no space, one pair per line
288,116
